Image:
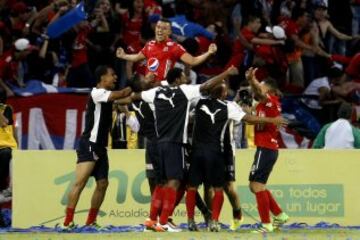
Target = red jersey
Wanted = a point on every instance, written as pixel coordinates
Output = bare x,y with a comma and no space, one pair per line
161,57
8,67
79,48
266,134
353,69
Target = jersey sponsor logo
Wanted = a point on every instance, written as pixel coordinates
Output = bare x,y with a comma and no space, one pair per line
170,99
138,109
165,49
269,104
170,44
206,110
153,64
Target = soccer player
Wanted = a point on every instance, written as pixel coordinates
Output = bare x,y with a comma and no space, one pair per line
172,105
213,116
162,53
266,153
92,153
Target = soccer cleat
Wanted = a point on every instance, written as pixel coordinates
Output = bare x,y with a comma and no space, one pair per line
280,220
264,228
235,223
214,226
95,226
66,228
166,228
192,227
150,225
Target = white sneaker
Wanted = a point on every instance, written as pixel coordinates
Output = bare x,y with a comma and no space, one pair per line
166,228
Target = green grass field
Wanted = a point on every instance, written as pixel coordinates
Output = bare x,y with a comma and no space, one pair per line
302,234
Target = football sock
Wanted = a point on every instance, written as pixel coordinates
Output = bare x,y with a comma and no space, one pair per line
217,204
168,204
69,217
92,216
156,201
263,206
190,203
274,206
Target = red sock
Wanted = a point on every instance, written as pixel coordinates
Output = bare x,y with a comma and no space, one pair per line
69,217
274,206
263,205
217,203
168,204
92,216
156,201
190,202
179,196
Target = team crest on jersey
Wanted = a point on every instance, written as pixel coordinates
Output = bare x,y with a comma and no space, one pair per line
165,49
153,64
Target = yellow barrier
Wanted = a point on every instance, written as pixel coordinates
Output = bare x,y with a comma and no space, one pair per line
310,185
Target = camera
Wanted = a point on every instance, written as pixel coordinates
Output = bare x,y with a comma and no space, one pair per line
245,97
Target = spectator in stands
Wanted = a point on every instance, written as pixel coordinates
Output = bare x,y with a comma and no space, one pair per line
125,128
318,95
7,143
12,65
326,27
340,134
293,27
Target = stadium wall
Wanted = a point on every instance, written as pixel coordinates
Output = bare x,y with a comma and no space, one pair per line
310,185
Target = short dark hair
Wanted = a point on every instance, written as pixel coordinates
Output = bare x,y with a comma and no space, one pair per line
3,96
101,71
165,20
334,72
173,74
345,111
217,91
135,83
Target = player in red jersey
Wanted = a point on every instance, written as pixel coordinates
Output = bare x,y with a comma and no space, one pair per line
266,153
162,53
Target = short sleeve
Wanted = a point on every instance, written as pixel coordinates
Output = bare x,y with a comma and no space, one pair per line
178,51
100,95
191,91
235,112
149,95
144,51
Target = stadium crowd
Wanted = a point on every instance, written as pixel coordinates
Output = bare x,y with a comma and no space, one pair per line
302,49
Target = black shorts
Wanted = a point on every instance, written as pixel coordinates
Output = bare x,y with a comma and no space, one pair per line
230,166
208,167
90,152
171,161
151,159
263,164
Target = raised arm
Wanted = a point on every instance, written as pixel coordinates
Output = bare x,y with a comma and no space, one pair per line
211,83
257,88
120,53
193,61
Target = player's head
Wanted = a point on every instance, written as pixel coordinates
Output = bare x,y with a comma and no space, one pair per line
138,83
176,76
162,30
105,77
254,23
270,86
345,111
219,92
